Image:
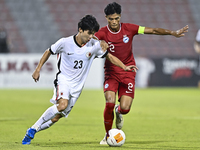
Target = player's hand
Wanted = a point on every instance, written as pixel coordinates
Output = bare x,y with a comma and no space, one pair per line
36,75
180,32
104,45
132,68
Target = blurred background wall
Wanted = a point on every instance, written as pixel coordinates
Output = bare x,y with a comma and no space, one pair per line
33,25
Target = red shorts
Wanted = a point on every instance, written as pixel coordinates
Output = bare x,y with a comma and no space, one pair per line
124,84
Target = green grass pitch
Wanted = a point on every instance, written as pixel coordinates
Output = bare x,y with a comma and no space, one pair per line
160,119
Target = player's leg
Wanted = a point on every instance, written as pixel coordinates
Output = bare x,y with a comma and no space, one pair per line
64,113
49,114
50,122
125,95
125,104
60,100
108,111
122,109
110,89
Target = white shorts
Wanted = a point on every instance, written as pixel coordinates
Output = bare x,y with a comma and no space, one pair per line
63,91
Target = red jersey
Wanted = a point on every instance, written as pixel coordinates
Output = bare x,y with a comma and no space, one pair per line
120,45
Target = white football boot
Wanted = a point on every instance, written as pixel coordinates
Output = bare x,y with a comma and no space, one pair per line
119,118
103,142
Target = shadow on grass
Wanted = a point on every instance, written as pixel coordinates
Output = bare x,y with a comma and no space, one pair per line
128,145
62,144
58,144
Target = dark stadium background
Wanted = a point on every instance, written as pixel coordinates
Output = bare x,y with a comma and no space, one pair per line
33,25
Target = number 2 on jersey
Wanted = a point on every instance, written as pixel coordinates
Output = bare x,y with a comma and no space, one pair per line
130,87
111,47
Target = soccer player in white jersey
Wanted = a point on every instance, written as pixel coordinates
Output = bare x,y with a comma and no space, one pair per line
76,54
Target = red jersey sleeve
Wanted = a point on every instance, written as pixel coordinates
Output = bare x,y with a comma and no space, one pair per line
132,28
101,34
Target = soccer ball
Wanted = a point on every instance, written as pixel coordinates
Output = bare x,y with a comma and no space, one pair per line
116,137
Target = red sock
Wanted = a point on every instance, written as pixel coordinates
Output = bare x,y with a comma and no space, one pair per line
108,116
122,111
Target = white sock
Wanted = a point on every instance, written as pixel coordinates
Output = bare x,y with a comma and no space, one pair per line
45,125
50,113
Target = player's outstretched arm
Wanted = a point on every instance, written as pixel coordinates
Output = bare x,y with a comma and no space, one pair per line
161,31
36,73
118,63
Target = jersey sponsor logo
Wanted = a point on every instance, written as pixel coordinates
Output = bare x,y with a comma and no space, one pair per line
125,39
106,86
70,53
129,92
88,54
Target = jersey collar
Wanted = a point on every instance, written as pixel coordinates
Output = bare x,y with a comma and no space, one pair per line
114,32
76,41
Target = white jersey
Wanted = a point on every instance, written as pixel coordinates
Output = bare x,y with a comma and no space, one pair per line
75,61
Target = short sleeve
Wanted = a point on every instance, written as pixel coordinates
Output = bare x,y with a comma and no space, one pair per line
98,51
58,46
99,35
133,28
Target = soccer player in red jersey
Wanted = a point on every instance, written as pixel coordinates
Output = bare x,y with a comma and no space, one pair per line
119,36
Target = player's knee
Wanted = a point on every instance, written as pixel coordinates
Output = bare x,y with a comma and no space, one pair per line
55,119
62,105
110,98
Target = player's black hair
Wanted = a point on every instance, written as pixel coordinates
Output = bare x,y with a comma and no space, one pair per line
112,8
90,23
